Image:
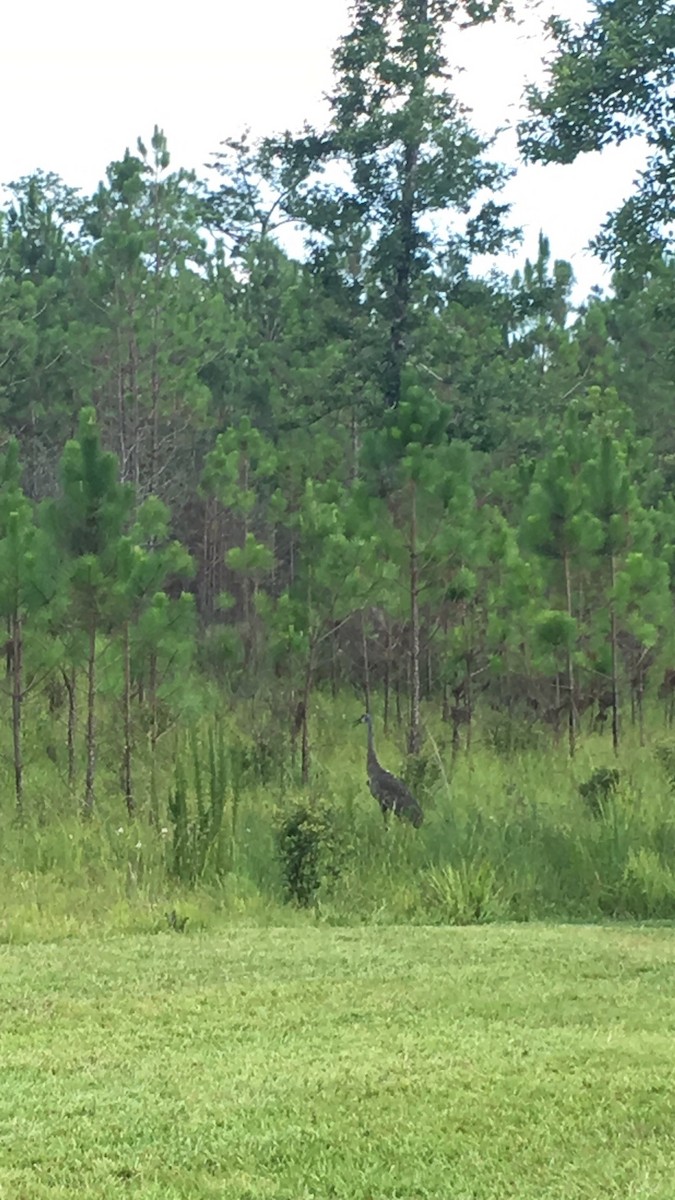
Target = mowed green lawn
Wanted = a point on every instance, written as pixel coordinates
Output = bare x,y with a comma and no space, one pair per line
458,1064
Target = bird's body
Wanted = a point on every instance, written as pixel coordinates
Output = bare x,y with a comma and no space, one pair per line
390,792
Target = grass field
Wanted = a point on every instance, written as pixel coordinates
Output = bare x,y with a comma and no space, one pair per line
488,1063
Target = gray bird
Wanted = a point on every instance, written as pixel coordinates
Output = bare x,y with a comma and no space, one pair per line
391,793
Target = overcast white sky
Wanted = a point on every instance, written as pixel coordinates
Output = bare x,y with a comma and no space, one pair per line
80,81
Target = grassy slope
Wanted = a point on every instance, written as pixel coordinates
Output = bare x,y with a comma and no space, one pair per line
462,1064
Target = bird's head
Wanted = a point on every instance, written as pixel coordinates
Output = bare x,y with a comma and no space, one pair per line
366,719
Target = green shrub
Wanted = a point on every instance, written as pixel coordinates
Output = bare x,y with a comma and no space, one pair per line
665,753
598,789
422,773
309,851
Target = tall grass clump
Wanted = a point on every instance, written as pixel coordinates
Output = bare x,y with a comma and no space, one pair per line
201,842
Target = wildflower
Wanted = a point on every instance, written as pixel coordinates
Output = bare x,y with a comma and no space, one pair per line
121,829
138,845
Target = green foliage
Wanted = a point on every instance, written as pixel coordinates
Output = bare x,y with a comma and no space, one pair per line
648,886
406,156
422,774
610,80
664,752
599,788
309,851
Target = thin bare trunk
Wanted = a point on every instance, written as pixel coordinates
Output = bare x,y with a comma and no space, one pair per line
366,664
406,231
17,701
387,679
639,701
70,679
154,423
356,447
615,658
414,733
154,737
309,673
556,710
206,591
245,580
90,778
122,415
133,386
445,694
468,689
334,662
569,664
127,751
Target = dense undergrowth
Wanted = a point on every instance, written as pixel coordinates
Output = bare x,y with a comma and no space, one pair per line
513,831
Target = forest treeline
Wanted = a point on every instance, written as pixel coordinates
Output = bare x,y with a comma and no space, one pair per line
363,465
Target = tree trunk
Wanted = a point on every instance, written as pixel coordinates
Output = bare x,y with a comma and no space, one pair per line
153,738
414,733
304,761
569,664
639,702
406,233
70,685
615,657
429,673
366,665
387,678
17,701
468,688
90,778
127,750
445,693
334,662
355,446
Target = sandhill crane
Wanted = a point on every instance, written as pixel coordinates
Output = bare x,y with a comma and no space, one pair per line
391,793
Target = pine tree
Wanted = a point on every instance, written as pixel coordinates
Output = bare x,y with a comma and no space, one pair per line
41,252
558,526
401,452
146,559
155,319
26,586
402,141
89,519
635,581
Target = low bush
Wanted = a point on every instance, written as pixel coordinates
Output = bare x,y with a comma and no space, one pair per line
310,851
